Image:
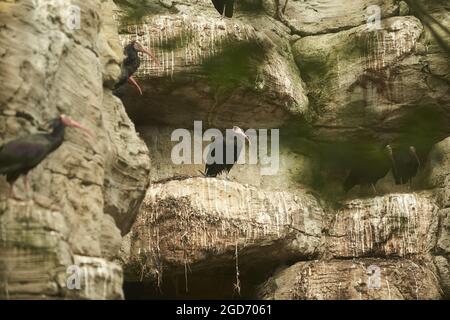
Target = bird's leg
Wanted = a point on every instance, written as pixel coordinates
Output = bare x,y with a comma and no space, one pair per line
134,82
12,194
223,13
25,183
26,186
374,189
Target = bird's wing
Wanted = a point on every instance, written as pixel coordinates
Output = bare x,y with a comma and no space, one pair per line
235,144
123,77
219,5
210,158
238,149
212,168
229,8
22,153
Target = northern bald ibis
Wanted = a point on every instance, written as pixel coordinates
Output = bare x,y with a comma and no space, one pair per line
370,166
19,156
214,169
407,163
224,7
131,64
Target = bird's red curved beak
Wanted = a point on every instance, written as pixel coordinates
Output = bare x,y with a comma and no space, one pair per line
72,123
150,54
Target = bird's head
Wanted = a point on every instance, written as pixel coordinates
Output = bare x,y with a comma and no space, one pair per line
238,131
140,48
390,154
72,123
389,151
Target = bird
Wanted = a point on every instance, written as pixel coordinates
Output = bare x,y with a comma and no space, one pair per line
21,155
131,64
407,163
370,165
214,168
224,7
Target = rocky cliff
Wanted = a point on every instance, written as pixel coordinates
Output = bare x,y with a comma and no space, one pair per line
317,70
332,83
87,193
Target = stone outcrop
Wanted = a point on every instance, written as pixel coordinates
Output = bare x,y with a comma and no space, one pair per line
100,221
439,178
398,225
325,16
398,246
222,71
341,83
362,279
360,79
187,221
88,191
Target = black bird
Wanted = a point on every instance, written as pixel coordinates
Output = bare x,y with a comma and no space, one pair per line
224,7
131,64
407,163
19,156
213,168
369,166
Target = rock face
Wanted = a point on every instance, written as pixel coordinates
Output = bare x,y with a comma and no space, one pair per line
222,69
61,243
325,16
439,178
292,166
401,228
397,225
364,279
324,72
365,74
194,218
332,82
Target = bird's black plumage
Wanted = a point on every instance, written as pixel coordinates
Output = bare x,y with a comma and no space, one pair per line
369,166
224,7
130,64
407,163
417,134
19,156
214,169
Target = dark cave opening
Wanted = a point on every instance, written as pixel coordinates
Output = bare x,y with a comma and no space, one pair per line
206,283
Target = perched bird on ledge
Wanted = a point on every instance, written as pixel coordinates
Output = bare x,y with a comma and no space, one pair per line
213,169
407,163
370,166
19,156
131,64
